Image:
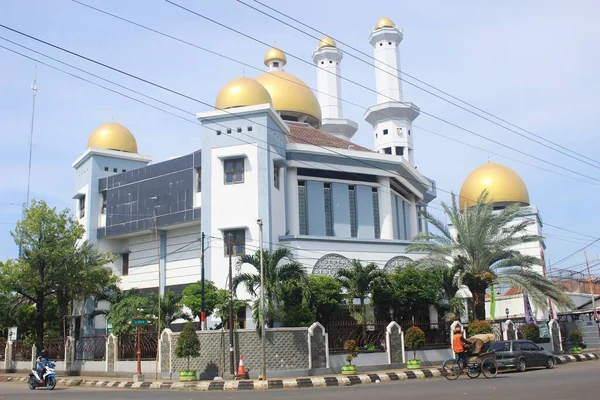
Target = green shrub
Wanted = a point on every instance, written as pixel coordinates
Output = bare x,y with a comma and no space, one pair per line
576,337
531,332
414,339
479,327
188,344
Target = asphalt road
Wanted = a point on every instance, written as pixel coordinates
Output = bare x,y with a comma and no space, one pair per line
564,382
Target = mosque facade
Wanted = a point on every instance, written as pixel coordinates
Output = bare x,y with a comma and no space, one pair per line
276,160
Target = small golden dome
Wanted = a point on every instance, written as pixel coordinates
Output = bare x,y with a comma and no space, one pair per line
113,136
242,92
502,183
384,22
291,96
326,42
275,55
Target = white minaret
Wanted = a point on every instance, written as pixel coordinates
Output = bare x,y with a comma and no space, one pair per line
391,117
327,58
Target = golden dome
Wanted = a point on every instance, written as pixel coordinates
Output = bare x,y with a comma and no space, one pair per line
291,96
384,22
275,55
242,92
113,136
502,183
326,42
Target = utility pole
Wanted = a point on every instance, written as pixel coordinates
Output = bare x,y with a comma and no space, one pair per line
591,287
203,312
262,301
231,356
159,284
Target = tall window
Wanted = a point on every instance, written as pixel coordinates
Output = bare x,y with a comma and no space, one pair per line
302,214
82,207
199,179
399,150
234,171
237,244
125,264
352,201
103,210
387,150
328,210
376,214
276,176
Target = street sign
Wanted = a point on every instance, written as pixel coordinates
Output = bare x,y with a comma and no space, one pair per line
544,330
139,322
12,333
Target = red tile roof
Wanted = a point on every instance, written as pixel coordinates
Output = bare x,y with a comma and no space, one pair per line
306,134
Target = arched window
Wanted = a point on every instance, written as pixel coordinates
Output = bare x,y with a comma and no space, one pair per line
329,264
396,262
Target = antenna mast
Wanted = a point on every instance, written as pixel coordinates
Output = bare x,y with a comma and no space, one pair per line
34,90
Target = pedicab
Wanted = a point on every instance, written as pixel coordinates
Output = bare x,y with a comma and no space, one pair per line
479,360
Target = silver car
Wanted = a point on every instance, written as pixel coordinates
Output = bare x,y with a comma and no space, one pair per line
521,354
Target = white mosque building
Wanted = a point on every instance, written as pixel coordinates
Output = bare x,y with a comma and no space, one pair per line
270,150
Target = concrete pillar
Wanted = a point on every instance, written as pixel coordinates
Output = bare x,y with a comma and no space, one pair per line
385,208
8,356
292,211
318,347
69,355
413,218
394,343
111,353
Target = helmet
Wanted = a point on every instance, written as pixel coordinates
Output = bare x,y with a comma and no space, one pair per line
44,353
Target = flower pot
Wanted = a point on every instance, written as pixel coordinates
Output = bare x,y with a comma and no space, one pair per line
413,364
576,350
187,376
348,369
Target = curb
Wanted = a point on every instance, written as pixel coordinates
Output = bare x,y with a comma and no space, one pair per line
289,383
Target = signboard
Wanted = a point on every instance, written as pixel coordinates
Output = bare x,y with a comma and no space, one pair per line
136,322
12,334
544,331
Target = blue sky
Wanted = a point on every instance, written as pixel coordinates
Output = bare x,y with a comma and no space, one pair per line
532,63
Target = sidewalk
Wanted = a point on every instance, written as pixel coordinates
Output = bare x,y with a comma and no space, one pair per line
287,383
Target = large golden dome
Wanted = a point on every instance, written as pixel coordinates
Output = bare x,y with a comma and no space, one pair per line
384,22
275,54
326,42
291,96
113,136
503,184
242,92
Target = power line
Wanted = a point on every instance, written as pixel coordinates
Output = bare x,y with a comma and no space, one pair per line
559,150
374,91
316,90
170,90
578,251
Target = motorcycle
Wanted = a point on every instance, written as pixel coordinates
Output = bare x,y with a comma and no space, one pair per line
48,378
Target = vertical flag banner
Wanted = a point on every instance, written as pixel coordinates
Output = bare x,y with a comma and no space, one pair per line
528,312
492,302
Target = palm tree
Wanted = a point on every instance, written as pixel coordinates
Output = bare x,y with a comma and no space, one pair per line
357,280
484,251
449,303
279,268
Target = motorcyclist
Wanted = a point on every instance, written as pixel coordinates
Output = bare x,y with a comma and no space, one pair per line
40,364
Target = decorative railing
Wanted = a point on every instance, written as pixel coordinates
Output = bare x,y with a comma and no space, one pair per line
2,349
55,348
128,346
437,336
90,348
22,351
369,337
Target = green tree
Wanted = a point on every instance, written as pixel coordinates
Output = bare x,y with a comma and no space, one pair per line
188,344
192,298
449,304
170,309
279,268
50,244
357,280
325,296
484,250
222,307
130,307
405,293
295,308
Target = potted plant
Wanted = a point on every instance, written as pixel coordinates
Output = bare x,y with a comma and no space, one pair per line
370,348
414,339
352,348
188,346
576,339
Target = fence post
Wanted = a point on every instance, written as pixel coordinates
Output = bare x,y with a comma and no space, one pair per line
164,351
318,347
394,340
69,354
551,324
111,353
8,352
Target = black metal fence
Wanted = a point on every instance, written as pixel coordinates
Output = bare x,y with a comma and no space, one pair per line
128,346
55,348
2,349
22,351
90,348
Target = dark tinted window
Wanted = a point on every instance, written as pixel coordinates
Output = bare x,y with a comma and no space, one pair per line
500,346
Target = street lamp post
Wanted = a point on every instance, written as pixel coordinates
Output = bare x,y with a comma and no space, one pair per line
262,301
231,358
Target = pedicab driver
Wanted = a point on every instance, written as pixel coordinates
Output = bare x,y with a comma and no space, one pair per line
458,345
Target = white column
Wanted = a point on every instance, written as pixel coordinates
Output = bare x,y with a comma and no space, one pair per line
385,208
414,223
385,44
291,202
329,84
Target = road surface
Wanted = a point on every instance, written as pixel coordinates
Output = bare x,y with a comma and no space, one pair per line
577,380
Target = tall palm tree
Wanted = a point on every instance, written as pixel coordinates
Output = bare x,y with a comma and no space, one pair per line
484,251
357,280
279,268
